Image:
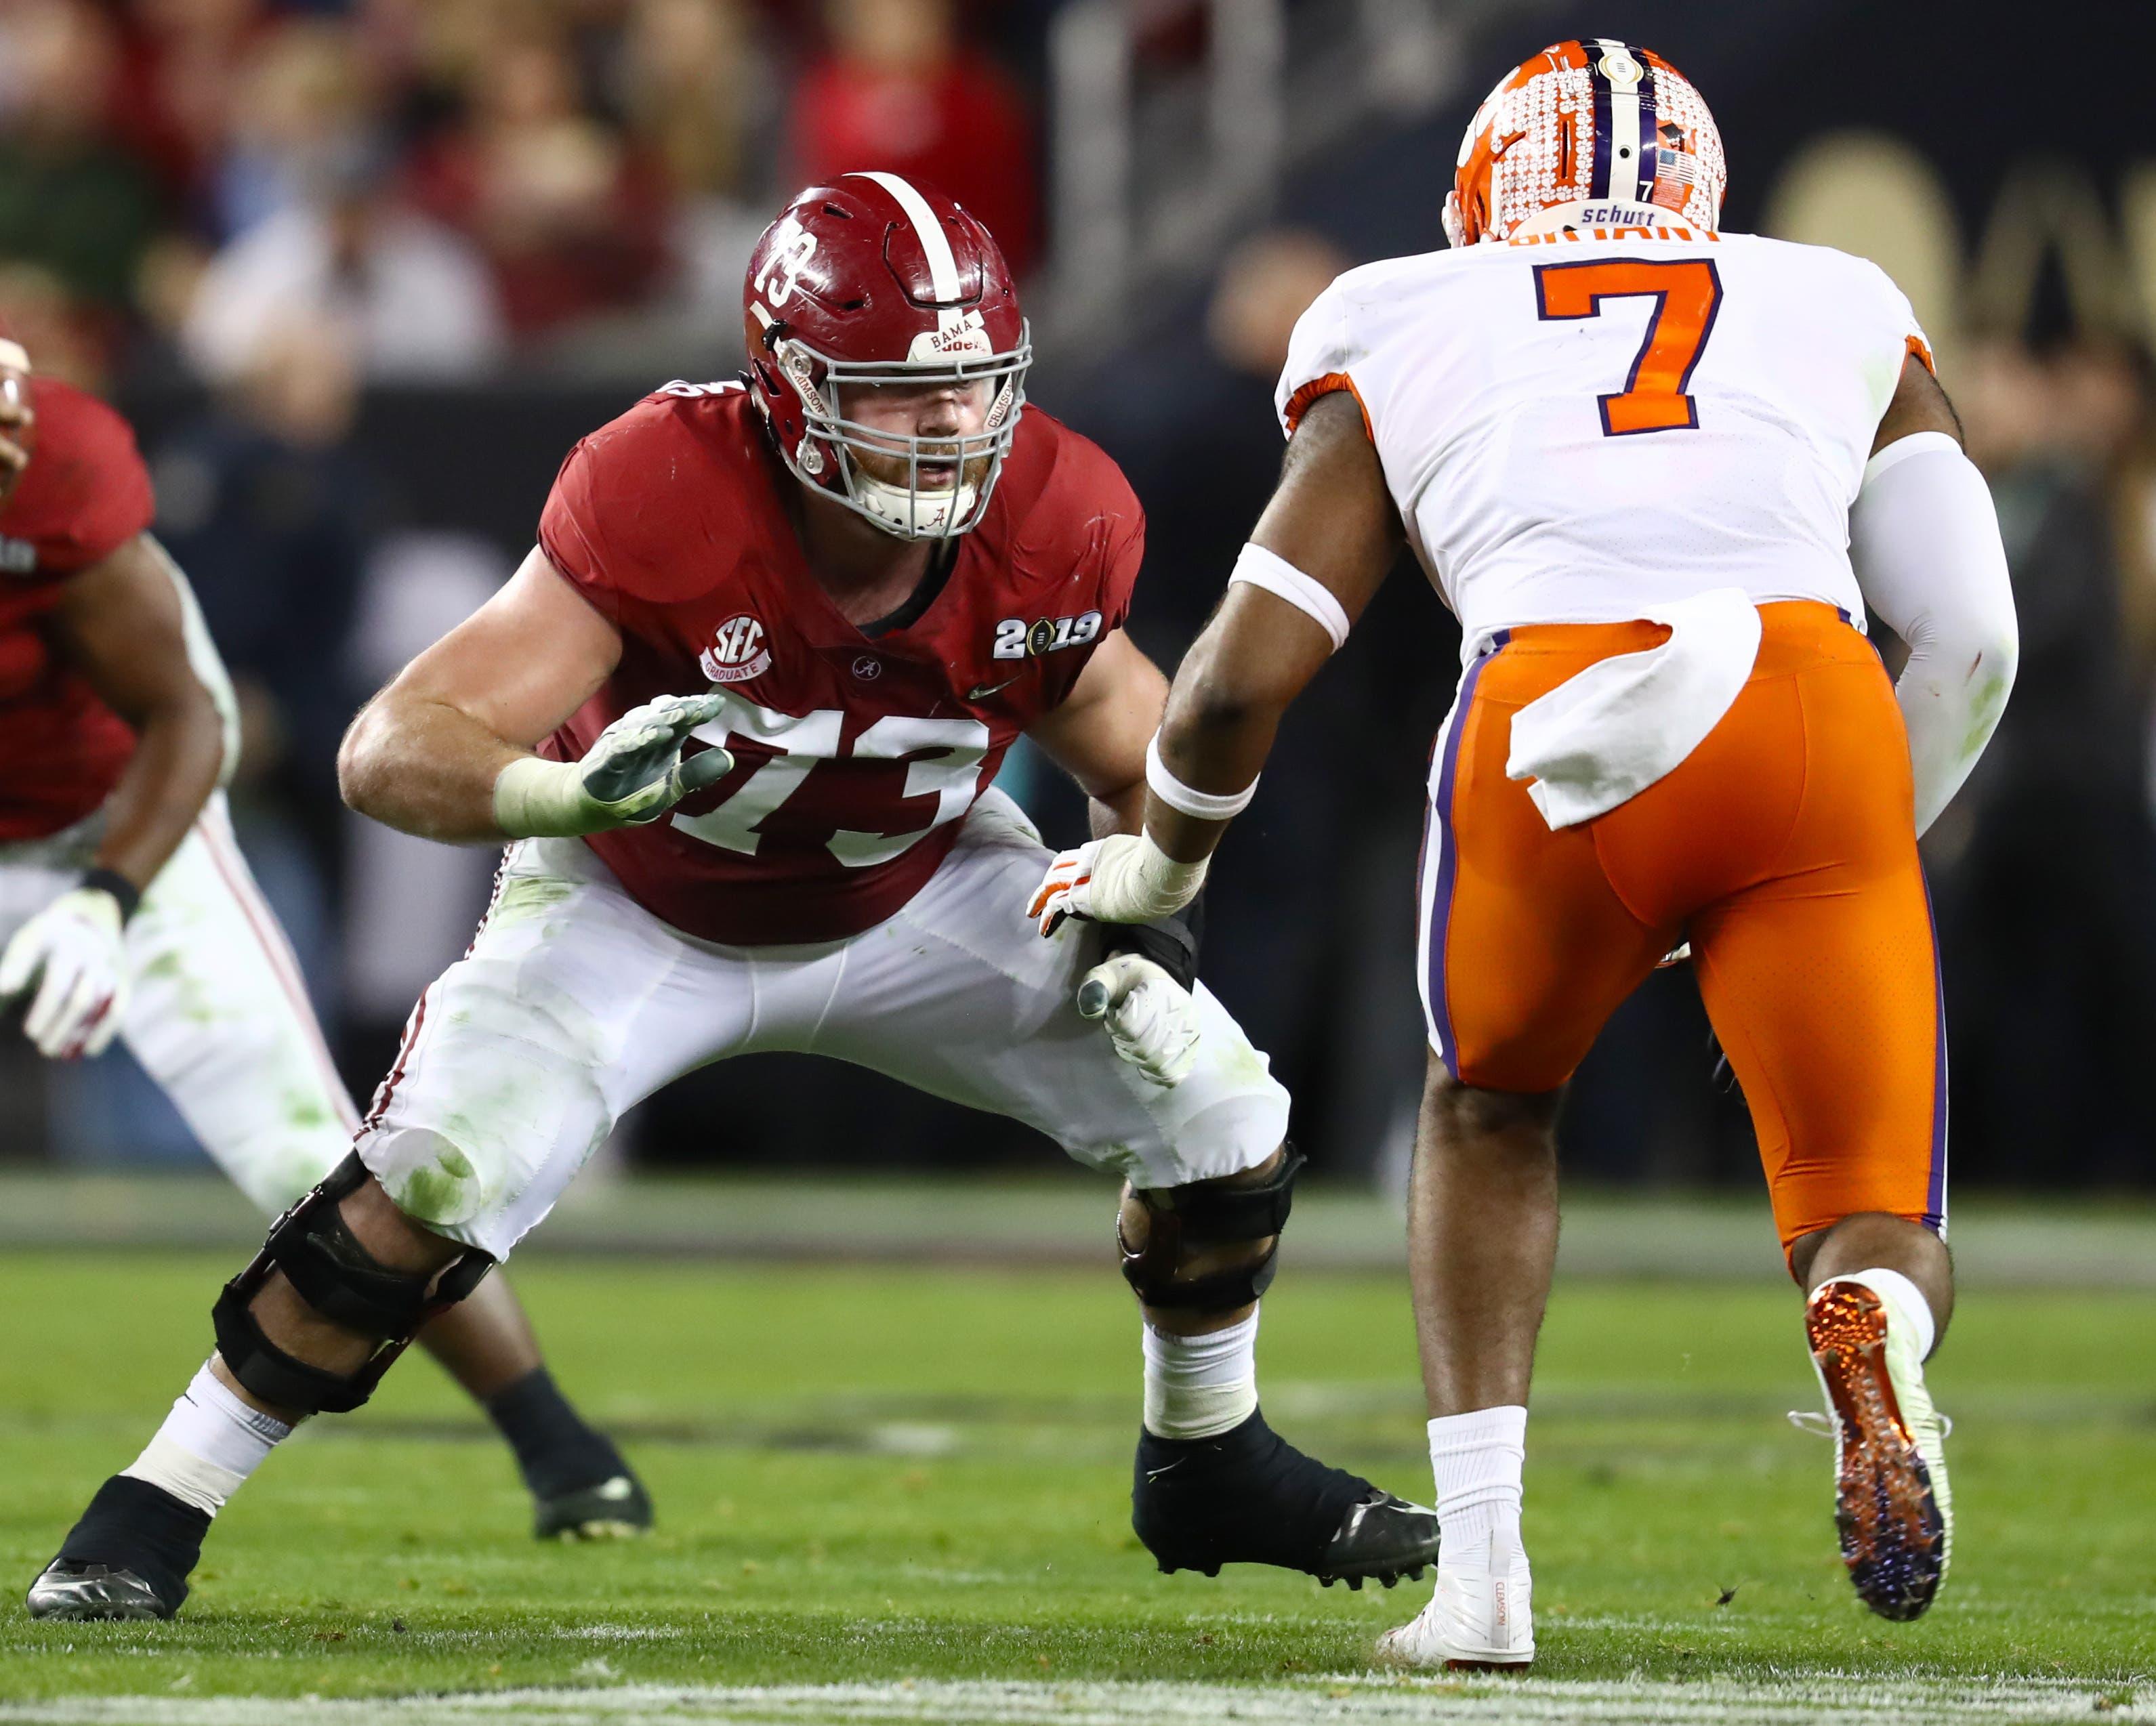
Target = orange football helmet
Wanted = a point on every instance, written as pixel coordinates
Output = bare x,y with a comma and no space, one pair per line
1588,134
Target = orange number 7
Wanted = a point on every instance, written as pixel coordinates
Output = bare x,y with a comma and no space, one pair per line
1687,295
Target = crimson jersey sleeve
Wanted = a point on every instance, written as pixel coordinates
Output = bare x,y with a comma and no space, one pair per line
85,492
620,524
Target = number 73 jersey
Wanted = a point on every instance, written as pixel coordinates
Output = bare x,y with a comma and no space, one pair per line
1581,427
856,756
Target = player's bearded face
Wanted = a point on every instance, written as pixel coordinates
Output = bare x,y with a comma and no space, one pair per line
15,420
944,408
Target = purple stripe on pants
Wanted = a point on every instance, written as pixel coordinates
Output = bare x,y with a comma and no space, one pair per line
1935,1198
1441,911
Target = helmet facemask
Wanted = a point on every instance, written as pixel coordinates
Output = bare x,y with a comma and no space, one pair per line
901,504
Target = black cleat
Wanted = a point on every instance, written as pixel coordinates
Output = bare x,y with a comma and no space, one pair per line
615,1509
128,1557
1248,1496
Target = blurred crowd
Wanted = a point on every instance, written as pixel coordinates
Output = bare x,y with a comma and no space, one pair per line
452,187
2042,871
363,270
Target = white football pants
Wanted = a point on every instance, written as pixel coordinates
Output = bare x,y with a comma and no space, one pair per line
575,1003
216,1013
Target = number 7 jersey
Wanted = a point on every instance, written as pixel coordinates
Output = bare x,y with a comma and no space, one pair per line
856,756
1582,426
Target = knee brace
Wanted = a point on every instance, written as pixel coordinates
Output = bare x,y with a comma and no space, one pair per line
324,1262
1182,1219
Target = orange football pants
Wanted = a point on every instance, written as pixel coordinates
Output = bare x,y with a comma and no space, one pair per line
1784,848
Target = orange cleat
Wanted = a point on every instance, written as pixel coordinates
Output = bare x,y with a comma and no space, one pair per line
1891,1501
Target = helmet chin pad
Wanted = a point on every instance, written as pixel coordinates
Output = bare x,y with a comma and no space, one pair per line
915,515
828,458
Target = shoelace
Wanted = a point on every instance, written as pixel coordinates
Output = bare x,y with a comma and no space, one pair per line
1821,1426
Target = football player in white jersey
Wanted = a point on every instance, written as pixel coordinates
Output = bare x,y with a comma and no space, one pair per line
1658,471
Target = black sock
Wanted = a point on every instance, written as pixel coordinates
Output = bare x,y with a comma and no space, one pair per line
555,1450
133,1525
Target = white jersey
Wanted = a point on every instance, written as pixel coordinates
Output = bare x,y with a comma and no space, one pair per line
1584,426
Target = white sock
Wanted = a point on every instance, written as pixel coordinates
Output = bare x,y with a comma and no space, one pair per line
1477,1458
210,1443
1200,1386
1907,1309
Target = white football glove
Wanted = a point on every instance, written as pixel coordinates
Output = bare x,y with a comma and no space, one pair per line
1150,1017
1122,878
74,953
632,774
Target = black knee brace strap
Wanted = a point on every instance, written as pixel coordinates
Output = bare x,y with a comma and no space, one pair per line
331,1271
1170,942
1181,1219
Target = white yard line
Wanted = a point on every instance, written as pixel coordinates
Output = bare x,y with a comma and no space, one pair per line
1357,1699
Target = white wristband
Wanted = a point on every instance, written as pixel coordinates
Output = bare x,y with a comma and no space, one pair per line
1268,570
13,356
1188,799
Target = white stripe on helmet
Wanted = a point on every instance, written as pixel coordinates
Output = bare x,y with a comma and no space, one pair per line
1625,74
942,267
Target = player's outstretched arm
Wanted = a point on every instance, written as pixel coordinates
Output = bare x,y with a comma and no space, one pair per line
1320,552
125,622
1924,541
446,751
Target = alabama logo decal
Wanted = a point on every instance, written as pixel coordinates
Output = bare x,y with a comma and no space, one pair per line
737,653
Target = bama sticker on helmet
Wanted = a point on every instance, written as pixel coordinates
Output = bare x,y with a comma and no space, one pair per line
737,651
967,337
1016,637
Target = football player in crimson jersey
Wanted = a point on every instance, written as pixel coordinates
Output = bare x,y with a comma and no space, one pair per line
740,711
126,909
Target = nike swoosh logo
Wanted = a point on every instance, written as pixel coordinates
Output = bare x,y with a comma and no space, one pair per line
981,692
1155,1473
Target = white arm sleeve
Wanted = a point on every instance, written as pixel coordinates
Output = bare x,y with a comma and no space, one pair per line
1924,541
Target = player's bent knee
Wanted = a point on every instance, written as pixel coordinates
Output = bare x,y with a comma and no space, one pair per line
1873,1237
1211,1245
359,1265
1456,1109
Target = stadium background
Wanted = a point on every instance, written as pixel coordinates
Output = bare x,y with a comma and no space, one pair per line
538,210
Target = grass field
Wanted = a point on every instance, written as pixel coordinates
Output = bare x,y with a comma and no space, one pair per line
900,1494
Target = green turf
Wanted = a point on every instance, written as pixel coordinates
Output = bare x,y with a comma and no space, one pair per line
909,1473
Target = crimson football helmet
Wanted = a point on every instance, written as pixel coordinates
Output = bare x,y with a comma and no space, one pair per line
1588,134
874,282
